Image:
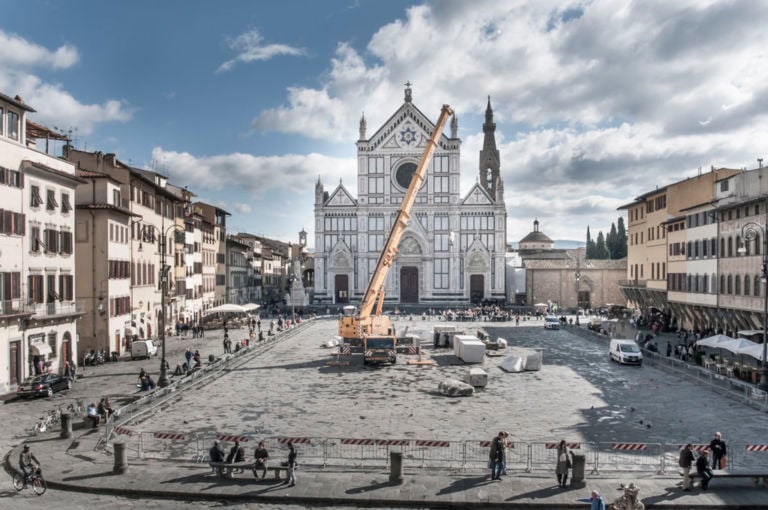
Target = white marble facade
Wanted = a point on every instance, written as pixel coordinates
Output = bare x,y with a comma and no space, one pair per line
452,251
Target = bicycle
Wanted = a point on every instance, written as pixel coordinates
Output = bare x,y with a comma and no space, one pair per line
35,479
51,418
76,409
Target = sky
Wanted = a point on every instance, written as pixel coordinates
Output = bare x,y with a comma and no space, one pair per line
248,103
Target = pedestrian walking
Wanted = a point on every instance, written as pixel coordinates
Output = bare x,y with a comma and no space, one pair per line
188,355
505,447
686,461
563,463
291,465
496,456
702,467
595,500
717,445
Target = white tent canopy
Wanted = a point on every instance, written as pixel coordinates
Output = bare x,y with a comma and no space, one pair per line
716,341
225,308
754,350
736,345
250,307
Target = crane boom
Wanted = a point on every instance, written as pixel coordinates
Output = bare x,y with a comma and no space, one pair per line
364,323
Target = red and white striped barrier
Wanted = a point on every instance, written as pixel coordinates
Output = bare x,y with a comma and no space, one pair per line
391,442
123,431
413,349
345,349
294,440
231,438
572,446
170,435
487,444
695,447
634,447
757,447
359,441
440,444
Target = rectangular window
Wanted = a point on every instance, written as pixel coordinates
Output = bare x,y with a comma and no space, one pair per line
376,223
52,295
10,286
65,205
51,204
66,242
441,274
34,239
441,164
440,184
1,120
66,287
375,242
441,242
376,185
51,241
34,198
13,125
375,165
442,222
724,185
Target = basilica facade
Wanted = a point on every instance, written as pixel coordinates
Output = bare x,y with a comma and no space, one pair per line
452,251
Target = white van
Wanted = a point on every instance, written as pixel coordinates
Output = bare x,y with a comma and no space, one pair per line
143,349
626,352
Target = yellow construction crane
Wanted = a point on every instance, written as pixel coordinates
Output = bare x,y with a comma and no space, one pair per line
364,327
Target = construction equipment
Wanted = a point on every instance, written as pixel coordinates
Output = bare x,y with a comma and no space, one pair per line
357,326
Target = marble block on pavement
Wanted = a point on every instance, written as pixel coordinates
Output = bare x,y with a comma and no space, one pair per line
454,388
476,377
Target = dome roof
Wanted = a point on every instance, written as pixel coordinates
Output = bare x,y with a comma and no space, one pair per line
536,236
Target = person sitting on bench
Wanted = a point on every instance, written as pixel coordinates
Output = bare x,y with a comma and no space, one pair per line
261,456
236,454
92,414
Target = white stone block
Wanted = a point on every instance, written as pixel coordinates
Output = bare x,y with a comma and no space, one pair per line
454,388
476,377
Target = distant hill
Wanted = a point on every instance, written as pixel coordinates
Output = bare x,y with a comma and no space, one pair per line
560,244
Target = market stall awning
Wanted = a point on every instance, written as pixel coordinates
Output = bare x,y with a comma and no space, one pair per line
250,307
736,345
716,341
40,349
225,308
754,350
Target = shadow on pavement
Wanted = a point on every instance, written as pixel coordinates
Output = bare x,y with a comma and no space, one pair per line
465,483
370,487
540,494
88,477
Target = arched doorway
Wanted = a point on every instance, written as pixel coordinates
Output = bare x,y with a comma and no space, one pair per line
66,348
409,284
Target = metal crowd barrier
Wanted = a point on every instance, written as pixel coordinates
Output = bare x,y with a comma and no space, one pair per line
468,455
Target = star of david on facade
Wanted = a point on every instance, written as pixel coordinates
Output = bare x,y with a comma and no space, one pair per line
407,136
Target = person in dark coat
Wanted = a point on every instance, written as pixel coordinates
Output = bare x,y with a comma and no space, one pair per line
717,445
291,465
563,463
686,461
702,467
236,454
216,454
496,456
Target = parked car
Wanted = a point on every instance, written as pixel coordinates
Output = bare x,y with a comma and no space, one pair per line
551,322
43,385
143,349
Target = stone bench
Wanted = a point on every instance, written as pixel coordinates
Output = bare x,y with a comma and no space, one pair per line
756,477
226,469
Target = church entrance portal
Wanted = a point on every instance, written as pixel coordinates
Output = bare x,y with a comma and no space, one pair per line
584,301
409,285
476,288
342,288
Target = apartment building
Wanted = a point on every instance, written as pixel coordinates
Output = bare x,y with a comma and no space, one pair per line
670,231
37,264
239,272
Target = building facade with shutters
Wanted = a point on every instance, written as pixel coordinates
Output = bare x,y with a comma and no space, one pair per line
452,251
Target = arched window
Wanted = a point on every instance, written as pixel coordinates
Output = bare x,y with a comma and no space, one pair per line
738,245
705,283
730,284
747,286
730,246
737,286
722,248
713,286
695,287
756,242
722,284
756,288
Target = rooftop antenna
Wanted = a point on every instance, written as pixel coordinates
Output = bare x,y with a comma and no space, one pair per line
760,162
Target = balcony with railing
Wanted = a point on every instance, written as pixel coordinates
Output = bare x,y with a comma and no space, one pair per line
14,307
57,308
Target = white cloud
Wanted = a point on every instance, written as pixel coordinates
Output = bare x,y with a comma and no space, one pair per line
256,175
55,106
602,100
250,48
17,52
242,208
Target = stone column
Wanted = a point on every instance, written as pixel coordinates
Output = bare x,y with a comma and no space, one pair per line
395,467
66,425
121,458
578,470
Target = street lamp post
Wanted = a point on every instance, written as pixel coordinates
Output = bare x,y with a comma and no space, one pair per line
749,232
163,380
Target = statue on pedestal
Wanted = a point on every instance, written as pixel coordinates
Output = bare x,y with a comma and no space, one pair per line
629,500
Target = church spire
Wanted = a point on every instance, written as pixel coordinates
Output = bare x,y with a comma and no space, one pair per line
454,126
408,97
363,126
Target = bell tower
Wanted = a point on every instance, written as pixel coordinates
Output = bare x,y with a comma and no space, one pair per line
490,178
